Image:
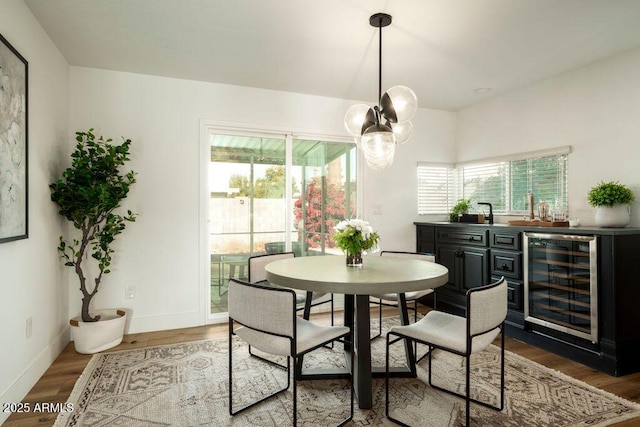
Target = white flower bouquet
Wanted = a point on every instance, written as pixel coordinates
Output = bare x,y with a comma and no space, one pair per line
355,236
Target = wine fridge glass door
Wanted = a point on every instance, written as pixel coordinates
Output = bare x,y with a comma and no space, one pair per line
561,284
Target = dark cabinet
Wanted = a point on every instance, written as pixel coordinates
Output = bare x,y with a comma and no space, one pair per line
465,253
426,239
514,299
506,260
476,254
506,240
468,266
506,263
464,237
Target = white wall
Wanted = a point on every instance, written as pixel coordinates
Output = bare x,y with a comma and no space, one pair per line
594,109
161,253
394,190
31,282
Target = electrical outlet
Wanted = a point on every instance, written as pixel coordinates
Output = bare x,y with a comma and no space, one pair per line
129,292
29,328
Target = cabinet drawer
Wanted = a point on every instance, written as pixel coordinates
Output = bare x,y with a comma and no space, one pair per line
515,296
504,240
506,263
466,237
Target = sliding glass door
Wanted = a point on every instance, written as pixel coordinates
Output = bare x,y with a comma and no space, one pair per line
270,194
328,176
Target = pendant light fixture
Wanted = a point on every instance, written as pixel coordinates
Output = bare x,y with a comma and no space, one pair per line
379,129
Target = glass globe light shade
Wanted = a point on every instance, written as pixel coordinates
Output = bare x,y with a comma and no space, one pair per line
405,102
402,131
378,145
354,118
382,161
377,141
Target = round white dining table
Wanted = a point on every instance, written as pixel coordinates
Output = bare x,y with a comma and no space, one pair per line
378,275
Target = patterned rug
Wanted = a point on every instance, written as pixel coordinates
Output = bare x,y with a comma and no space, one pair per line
186,385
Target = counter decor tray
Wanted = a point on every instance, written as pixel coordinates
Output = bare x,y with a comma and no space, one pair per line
539,223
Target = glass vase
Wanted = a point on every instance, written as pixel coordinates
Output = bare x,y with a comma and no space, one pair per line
354,260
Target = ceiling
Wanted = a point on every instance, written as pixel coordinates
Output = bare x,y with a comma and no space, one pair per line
443,49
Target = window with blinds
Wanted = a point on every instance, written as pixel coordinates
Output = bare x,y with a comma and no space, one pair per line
486,183
435,188
505,184
544,177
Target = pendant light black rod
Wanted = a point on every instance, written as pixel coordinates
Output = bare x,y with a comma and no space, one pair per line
380,65
380,20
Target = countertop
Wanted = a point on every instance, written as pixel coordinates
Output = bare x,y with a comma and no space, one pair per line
556,230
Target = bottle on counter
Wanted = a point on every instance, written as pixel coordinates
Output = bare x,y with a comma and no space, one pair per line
543,210
531,214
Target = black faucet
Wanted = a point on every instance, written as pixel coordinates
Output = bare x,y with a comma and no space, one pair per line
490,216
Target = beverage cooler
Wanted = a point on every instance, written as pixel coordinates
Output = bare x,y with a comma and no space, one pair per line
561,283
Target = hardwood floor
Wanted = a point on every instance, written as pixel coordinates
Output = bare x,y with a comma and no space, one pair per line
56,384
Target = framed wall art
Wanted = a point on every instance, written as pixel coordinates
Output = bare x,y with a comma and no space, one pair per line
13,144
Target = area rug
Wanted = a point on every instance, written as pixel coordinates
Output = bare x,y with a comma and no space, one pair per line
186,385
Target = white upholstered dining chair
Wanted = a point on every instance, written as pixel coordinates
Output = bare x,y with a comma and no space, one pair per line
257,273
391,299
265,317
486,311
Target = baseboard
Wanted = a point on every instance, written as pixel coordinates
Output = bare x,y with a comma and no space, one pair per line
30,376
163,322
190,319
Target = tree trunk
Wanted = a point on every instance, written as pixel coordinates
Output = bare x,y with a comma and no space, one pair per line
86,317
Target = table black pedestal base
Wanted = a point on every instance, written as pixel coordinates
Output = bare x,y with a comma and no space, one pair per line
357,317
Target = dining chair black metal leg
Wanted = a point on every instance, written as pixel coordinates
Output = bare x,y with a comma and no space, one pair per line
230,376
379,318
408,345
386,381
297,365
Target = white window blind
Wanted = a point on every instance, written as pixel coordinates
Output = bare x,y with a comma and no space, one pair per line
435,188
503,183
544,177
486,183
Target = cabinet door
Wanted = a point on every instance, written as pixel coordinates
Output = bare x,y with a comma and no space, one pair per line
475,267
448,256
425,239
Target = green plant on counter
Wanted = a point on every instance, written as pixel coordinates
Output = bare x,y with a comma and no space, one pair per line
610,194
461,207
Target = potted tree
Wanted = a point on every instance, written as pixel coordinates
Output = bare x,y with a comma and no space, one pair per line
612,201
88,194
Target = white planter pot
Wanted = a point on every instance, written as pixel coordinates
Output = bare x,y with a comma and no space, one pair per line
94,337
616,216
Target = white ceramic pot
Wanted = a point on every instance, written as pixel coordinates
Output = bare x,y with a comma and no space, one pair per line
94,337
616,216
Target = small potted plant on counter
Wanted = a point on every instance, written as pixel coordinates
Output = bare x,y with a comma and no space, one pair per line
88,194
461,207
612,201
